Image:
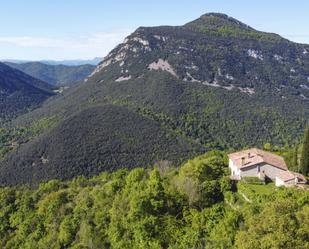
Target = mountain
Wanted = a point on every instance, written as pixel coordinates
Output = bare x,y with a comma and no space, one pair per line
20,92
215,82
93,62
57,75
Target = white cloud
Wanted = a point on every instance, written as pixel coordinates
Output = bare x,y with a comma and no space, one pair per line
98,44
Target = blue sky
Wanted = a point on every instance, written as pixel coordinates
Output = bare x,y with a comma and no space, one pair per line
83,29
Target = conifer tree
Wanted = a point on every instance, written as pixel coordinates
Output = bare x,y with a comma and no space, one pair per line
295,158
304,159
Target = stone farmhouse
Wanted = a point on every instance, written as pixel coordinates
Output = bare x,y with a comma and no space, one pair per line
264,165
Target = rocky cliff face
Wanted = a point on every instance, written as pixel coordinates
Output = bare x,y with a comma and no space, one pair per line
219,51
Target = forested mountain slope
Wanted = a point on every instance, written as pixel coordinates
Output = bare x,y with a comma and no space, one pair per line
20,92
56,75
97,139
214,81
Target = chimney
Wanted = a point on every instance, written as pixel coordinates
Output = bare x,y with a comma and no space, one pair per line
243,161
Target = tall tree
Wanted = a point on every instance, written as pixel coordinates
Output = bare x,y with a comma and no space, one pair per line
295,158
304,159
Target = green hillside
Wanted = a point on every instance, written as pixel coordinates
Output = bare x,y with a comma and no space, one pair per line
20,92
56,75
194,206
95,140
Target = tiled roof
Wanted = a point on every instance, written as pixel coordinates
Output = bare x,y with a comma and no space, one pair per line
251,157
286,176
289,175
300,176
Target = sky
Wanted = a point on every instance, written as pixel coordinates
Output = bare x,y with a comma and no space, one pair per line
84,29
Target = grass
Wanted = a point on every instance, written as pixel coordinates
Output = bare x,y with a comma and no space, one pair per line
261,189
254,191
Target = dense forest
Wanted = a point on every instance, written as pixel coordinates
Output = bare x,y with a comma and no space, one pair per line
20,93
102,138
193,206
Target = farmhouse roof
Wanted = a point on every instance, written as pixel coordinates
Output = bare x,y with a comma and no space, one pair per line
254,156
289,175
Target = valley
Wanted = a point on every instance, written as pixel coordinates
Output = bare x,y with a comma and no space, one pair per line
55,75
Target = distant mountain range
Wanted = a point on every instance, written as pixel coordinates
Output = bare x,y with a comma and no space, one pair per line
56,75
94,62
20,92
167,93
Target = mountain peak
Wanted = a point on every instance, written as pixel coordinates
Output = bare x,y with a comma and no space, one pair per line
217,22
216,14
